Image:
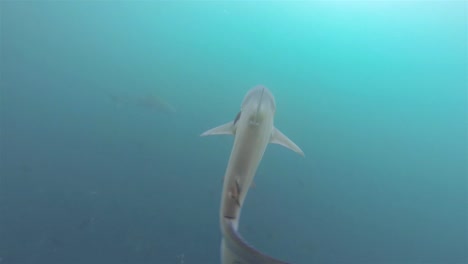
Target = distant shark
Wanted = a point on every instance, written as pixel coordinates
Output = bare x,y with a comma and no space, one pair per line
149,102
253,129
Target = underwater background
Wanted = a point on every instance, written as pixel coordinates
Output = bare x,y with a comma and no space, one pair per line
102,104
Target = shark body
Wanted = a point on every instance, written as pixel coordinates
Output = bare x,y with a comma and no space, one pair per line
253,130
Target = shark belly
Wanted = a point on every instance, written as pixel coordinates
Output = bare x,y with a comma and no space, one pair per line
248,149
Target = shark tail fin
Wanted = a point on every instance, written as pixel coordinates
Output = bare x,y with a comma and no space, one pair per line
234,249
225,129
281,139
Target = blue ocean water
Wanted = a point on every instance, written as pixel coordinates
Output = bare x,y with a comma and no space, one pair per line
102,104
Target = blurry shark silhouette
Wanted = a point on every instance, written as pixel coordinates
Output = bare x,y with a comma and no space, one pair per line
148,102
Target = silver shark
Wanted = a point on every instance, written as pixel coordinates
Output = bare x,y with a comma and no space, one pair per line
253,129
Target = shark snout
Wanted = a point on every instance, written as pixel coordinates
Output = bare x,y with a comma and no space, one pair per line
258,104
260,101
262,106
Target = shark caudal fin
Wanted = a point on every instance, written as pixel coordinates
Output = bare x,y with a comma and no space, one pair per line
234,249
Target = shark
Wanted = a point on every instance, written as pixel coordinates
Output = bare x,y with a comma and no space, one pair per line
150,101
253,130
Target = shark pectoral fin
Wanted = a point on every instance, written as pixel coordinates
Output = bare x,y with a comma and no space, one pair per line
225,129
281,139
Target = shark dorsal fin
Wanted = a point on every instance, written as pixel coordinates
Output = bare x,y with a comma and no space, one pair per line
281,139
